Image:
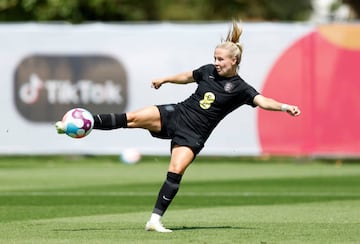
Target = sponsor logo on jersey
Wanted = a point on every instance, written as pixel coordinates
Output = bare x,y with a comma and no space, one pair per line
209,98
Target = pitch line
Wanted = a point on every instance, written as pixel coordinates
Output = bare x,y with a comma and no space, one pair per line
200,194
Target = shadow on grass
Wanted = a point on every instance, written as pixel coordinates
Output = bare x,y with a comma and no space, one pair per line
81,229
210,228
183,228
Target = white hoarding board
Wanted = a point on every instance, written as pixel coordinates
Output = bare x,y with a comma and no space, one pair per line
40,63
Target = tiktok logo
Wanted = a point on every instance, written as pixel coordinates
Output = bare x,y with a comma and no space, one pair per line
29,92
45,86
66,92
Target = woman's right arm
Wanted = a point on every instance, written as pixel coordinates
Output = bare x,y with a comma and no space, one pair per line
182,78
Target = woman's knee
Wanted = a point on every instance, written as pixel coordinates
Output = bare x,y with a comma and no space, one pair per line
131,117
181,158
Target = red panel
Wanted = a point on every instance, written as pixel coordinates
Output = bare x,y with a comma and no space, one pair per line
324,81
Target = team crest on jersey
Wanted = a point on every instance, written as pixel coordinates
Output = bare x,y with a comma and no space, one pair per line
228,87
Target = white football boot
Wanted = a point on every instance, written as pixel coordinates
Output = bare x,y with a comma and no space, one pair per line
59,126
156,226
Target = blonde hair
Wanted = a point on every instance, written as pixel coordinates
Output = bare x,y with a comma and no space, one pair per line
231,43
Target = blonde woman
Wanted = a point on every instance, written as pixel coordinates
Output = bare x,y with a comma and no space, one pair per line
188,124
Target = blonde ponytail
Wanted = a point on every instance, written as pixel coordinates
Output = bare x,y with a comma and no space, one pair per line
232,41
234,33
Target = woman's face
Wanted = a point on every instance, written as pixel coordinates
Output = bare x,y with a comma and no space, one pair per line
225,64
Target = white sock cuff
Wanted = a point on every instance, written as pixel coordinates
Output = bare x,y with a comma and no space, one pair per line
155,217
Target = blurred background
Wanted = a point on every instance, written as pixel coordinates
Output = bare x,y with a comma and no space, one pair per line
102,55
79,11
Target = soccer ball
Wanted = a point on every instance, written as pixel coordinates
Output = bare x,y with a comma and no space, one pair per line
77,123
130,156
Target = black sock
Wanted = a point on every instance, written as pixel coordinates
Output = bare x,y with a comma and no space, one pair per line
110,121
167,193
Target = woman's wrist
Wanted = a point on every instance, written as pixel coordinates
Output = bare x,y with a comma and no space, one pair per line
284,107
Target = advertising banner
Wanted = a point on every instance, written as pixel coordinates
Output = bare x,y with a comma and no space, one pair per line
48,69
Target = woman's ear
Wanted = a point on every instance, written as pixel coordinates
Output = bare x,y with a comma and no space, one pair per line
234,61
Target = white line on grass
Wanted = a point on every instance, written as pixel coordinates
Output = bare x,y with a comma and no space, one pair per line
206,194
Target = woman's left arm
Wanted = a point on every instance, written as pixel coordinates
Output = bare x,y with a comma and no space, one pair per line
270,104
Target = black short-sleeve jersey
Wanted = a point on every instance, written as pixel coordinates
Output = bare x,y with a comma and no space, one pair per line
214,98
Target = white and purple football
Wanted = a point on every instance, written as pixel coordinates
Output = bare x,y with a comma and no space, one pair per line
78,123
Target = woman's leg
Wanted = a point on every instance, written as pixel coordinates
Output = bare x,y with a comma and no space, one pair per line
146,118
181,158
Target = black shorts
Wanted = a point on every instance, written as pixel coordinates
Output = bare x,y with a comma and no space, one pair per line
174,128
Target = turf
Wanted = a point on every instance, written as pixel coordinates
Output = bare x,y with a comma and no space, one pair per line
221,200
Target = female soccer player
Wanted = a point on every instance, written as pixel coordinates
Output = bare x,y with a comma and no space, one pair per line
189,123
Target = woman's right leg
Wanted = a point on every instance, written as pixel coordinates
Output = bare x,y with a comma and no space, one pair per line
145,118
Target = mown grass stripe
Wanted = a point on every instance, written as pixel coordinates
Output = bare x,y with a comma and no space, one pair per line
207,194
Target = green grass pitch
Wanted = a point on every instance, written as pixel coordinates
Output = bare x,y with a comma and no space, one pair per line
221,200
